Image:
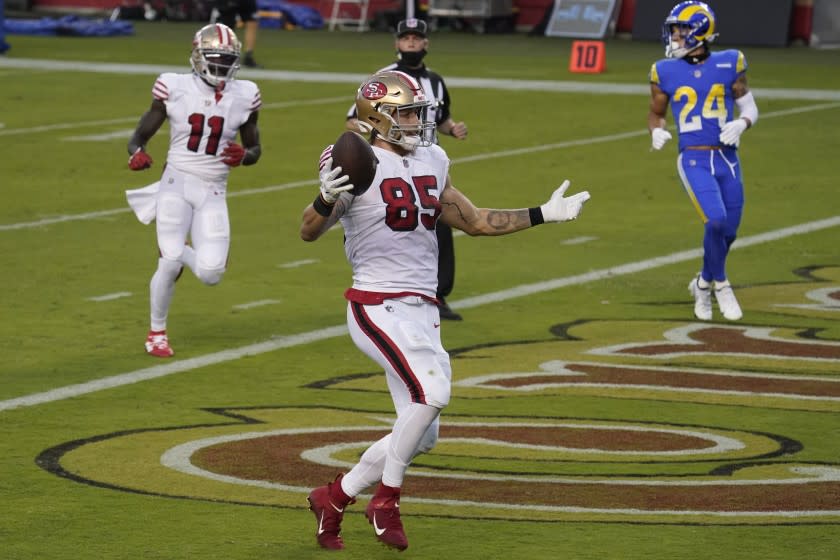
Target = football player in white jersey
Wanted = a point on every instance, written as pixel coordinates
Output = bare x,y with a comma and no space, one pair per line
206,109
392,314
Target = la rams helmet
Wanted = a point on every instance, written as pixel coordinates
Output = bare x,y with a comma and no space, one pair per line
379,101
696,22
215,53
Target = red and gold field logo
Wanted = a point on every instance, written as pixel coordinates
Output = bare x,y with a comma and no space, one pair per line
610,421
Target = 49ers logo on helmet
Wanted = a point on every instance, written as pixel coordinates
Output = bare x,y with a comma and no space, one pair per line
374,90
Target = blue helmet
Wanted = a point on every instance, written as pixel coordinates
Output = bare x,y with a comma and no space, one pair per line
696,19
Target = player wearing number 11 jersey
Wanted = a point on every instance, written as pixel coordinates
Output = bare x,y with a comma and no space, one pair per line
392,312
703,89
206,110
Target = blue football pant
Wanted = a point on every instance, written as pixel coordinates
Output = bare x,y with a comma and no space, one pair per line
712,180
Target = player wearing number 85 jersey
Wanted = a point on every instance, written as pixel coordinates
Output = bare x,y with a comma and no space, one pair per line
206,110
392,312
703,89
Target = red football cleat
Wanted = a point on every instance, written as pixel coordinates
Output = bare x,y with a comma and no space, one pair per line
328,514
157,344
383,512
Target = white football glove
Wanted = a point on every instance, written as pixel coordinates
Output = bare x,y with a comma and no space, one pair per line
658,137
331,184
559,209
731,132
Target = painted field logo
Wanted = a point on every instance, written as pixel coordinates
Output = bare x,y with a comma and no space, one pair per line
609,421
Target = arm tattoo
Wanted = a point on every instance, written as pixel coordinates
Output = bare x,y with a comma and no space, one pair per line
508,220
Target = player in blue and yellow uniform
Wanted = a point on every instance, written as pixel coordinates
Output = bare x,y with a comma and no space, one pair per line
703,89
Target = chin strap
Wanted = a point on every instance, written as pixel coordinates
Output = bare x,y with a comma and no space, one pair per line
696,59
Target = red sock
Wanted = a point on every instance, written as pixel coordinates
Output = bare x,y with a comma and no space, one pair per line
387,492
337,495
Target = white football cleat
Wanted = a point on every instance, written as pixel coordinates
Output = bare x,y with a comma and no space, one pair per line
702,299
727,303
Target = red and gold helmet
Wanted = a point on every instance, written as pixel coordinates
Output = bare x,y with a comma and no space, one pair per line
378,104
215,53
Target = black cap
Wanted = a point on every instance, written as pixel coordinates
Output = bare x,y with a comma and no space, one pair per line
411,25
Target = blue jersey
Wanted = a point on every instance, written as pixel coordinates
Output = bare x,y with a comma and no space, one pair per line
700,94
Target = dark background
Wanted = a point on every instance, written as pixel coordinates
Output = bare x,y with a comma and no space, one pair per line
742,22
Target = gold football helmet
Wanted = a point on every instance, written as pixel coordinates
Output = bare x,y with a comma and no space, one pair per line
215,53
380,100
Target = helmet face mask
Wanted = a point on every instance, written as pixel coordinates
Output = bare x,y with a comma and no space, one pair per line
696,24
393,104
215,54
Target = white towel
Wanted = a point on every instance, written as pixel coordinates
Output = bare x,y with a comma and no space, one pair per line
144,202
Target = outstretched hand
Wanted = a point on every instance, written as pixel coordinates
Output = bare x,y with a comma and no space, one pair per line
560,209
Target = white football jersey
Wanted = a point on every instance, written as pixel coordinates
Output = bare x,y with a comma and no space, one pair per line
389,231
202,122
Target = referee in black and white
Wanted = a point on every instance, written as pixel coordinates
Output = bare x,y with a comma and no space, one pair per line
412,44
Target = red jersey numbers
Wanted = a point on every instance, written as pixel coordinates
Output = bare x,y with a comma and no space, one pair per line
403,212
215,124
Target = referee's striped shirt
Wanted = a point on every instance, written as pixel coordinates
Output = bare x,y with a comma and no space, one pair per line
433,86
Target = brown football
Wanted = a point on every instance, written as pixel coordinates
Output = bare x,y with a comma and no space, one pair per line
356,158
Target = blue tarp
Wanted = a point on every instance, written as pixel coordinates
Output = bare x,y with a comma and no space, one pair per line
4,46
69,26
304,17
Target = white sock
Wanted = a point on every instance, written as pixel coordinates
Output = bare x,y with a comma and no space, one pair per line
406,436
368,471
161,289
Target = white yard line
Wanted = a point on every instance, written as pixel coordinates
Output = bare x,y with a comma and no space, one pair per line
258,303
109,297
355,79
133,120
279,342
467,159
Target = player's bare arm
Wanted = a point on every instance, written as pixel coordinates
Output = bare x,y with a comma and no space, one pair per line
314,225
451,128
740,88
459,212
149,124
658,107
250,135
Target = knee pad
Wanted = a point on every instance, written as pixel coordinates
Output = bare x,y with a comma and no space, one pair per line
209,276
716,227
438,388
435,376
210,266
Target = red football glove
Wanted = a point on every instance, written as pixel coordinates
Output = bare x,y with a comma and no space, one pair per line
139,160
233,154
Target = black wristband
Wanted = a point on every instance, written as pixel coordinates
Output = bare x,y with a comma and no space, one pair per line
322,207
536,216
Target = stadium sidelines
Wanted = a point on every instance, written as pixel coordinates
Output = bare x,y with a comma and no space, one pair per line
345,78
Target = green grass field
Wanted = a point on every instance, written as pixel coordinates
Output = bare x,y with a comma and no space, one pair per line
591,416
